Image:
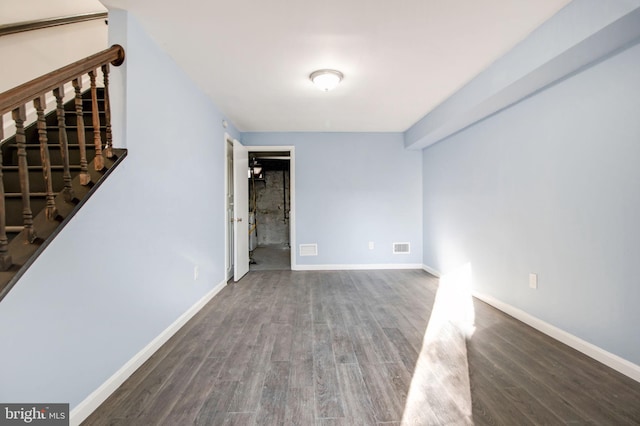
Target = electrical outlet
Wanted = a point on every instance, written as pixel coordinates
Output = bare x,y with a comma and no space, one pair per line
371,245
196,272
533,281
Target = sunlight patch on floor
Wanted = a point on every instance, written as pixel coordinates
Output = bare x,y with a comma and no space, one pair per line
440,391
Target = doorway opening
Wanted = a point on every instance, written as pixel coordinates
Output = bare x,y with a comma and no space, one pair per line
269,210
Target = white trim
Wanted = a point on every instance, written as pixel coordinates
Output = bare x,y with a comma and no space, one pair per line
607,358
228,265
97,397
292,192
349,267
432,271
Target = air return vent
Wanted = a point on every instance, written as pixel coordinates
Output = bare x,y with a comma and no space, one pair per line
308,249
401,248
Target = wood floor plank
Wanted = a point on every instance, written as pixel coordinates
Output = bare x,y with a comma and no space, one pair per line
239,419
348,291
342,345
283,343
495,402
301,373
406,351
249,390
349,315
229,332
385,352
274,395
340,341
302,350
327,389
358,408
340,421
300,407
430,400
386,405
240,353
285,313
317,309
216,403
363,346
413,333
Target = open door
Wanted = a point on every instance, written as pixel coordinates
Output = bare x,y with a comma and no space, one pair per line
241,211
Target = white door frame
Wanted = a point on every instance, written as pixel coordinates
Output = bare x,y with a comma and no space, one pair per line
228,238
292,193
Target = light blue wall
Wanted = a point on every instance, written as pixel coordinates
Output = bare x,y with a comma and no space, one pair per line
122,270
550,185
352,188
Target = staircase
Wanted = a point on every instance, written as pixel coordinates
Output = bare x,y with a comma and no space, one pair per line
56,188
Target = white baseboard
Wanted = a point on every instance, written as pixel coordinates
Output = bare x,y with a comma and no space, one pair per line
607,358
351,267
97,397
432,271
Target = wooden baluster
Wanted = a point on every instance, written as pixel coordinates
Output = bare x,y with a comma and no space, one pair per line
19,115
39,104
107,111
84,173
5,257
98,161
64,143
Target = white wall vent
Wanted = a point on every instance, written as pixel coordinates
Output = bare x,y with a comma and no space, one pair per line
308,249
401,248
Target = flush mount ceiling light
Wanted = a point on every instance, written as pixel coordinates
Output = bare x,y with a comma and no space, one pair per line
326,79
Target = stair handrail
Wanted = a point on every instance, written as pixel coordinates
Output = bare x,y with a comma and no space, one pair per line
38,24
27,92
15,100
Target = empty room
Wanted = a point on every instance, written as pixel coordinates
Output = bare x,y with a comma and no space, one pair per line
338,213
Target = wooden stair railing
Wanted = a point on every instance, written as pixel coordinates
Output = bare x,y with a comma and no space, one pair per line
33,93
5,257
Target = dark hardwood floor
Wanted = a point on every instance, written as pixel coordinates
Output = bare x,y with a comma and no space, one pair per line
362,348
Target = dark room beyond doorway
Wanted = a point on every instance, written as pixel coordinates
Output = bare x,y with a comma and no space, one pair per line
269,209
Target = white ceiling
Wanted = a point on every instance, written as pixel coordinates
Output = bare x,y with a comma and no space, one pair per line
400,59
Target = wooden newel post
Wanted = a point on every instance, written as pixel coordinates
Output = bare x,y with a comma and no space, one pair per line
64,143
98,161
107,112
5,257
19,115
39,104
84,173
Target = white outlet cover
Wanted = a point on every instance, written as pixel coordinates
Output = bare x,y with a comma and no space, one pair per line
533,280
371,245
